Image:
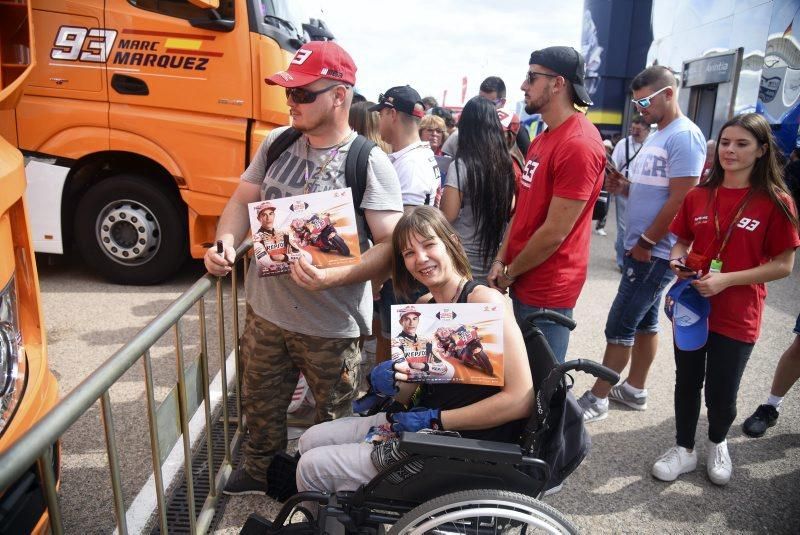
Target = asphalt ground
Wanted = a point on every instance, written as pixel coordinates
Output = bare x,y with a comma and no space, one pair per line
611,492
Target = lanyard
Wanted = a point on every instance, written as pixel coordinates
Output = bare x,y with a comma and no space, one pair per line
311,180
733,222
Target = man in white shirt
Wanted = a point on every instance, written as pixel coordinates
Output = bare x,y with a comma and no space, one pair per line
400,110
622,157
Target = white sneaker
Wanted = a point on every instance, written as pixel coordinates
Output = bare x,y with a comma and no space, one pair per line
718,463
676,461
600,232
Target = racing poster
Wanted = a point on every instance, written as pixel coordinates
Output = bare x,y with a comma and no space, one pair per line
450,343
320,227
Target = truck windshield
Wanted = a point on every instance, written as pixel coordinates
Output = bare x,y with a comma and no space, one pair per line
282,20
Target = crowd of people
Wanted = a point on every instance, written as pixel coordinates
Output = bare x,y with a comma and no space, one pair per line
473,210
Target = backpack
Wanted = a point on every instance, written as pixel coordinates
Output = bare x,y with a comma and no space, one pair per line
355,173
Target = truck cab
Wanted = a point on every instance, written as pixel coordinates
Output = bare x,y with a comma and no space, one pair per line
138,119
27,387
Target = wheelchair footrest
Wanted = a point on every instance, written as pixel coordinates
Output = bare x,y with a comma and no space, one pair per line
255,525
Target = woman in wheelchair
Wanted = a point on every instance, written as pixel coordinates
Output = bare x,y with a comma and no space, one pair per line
338,456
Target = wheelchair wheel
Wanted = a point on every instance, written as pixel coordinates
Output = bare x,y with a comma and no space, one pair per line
482,511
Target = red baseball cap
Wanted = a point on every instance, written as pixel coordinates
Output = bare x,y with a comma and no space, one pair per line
315,60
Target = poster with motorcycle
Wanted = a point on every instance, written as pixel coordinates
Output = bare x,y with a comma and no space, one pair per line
321,227
450,343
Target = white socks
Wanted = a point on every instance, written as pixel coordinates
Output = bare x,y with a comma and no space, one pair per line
635,392
775,401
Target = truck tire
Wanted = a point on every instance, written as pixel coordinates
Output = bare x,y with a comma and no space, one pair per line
132,230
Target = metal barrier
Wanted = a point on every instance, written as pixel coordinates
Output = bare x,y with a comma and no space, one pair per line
35,445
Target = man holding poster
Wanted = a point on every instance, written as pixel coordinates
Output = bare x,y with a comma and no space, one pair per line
309,320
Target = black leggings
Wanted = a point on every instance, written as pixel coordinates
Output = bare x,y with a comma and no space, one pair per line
721,363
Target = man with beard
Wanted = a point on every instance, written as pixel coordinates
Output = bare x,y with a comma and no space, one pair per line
545,252
311,319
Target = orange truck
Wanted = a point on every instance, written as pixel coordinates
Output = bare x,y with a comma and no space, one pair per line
139,117
27,387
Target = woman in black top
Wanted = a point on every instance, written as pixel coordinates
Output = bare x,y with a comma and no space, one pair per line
426,252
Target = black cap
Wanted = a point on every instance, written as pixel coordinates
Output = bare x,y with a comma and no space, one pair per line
567,62
402,98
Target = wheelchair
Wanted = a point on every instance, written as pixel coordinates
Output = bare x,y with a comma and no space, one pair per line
453,485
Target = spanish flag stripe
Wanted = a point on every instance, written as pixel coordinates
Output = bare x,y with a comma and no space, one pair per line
131,31
195,52
184,44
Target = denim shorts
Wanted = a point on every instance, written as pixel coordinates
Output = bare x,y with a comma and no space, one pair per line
636,306
797,325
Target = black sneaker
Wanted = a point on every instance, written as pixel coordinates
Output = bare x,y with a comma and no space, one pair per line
240,482
764,417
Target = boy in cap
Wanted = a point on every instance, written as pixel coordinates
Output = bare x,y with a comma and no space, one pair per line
544,256
400,110
311,320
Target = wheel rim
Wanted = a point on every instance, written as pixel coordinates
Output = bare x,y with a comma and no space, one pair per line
128,232
461,517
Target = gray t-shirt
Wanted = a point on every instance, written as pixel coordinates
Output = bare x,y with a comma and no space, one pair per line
451,144
464,223
343,312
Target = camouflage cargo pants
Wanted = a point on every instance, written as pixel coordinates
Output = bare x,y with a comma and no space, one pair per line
272,361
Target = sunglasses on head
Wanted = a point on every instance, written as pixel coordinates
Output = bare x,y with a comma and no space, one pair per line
646,101
531,76
306,96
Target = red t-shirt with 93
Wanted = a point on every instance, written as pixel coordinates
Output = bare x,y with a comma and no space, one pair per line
762,232
568,162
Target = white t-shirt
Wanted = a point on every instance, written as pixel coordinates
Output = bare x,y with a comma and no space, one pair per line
420,179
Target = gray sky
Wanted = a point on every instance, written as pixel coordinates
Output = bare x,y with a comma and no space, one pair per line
431,45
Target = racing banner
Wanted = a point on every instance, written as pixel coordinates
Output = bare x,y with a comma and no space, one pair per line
319,227
450,343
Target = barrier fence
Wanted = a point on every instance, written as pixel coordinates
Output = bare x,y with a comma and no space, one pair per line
36,446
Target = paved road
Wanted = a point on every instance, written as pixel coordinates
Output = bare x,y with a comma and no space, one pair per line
611,492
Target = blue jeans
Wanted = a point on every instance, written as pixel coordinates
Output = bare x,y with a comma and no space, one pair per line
557,335
636,306
621,204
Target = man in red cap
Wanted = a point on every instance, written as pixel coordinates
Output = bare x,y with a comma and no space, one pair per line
311,320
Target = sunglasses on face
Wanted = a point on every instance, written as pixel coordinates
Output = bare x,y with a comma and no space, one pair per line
531,76
646,101
306,96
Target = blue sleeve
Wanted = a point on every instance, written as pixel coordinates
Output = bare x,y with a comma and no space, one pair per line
687,154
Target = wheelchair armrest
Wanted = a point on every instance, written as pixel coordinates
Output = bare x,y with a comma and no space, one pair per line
466,448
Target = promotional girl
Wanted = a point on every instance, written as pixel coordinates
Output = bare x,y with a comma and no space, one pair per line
736,231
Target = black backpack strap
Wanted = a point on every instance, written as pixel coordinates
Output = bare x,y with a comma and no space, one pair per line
280,144
355,176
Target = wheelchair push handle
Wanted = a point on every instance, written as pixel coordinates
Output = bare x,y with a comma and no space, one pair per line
554,316
593,368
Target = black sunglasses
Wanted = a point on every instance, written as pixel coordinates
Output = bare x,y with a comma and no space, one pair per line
306,96
530,76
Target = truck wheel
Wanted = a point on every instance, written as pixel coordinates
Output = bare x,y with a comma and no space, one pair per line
131,230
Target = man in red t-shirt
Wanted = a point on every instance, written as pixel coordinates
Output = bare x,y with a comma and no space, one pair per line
545,252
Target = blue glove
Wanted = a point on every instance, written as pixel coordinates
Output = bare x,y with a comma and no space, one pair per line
416,419
363,404
381,378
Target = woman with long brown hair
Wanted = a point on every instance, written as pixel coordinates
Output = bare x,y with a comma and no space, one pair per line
426,252
736,231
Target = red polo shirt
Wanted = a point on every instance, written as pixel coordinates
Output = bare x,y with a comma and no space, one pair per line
762,232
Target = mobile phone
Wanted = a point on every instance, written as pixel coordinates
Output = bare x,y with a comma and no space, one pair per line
220,247
683,268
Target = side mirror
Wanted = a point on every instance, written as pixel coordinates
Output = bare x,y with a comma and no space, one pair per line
205,4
